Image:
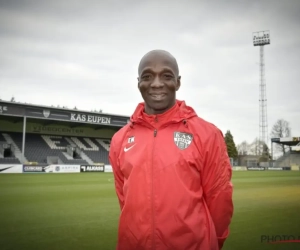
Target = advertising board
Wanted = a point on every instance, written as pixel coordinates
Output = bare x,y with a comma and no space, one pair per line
239,168
256,168
51,168
34,168
63,169
57,168
10,169
92,168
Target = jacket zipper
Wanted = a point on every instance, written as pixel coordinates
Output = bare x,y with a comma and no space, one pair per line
153,215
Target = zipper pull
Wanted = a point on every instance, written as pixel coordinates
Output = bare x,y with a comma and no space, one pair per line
155,133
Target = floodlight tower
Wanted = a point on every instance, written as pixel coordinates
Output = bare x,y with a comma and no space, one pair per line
262,38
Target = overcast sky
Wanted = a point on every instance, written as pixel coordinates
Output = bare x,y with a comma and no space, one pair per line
86,53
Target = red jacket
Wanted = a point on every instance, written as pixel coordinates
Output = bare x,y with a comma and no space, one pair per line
172,178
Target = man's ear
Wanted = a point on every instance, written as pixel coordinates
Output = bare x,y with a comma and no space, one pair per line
138,85
178,82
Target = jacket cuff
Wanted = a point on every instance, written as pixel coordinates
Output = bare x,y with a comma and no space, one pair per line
222,239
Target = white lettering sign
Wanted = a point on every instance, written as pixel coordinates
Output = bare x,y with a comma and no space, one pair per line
92,168
90,118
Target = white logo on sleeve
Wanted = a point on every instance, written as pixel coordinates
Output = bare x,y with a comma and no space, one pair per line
131,139
127,149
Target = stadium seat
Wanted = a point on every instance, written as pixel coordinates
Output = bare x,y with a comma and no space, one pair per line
39,147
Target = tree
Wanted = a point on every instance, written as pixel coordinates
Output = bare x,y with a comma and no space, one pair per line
265,156
243,148
256,147
231,148
281,129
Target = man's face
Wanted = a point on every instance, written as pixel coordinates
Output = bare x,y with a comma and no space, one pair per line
158,82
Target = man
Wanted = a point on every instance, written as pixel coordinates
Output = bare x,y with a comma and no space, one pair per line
171,168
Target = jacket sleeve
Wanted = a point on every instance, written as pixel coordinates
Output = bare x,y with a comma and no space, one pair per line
217,186
118,176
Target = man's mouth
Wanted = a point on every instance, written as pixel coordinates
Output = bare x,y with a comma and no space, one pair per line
157,96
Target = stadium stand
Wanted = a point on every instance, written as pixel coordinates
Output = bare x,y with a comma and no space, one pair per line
2,139
4,159
39,147
9,160
288,159
100,155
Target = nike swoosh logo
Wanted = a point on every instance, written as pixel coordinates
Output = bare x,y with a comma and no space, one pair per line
127,149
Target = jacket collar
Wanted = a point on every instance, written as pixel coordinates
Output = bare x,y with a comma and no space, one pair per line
179,112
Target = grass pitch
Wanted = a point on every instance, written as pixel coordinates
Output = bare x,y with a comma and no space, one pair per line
80,211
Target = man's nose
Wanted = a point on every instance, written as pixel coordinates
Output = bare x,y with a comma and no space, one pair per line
156,83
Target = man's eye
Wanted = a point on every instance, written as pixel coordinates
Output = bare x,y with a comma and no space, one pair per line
168,76
146,77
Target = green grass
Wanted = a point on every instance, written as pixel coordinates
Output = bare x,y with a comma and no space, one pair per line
80,211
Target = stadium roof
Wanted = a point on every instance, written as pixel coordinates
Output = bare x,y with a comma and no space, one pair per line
57,108
50,115
288,141
42,122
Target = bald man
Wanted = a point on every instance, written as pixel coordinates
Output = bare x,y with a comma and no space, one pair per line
171,168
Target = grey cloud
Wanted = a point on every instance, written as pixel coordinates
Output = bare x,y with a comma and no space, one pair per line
85,54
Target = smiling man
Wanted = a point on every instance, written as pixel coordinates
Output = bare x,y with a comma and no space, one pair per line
171,168
158,81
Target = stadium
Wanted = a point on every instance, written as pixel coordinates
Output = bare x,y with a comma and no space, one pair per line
239,65
57,189
42,137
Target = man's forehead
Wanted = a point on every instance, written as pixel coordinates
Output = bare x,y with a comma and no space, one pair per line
158,59
157,69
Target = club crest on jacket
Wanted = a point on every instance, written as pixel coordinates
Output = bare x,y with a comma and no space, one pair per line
182,140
